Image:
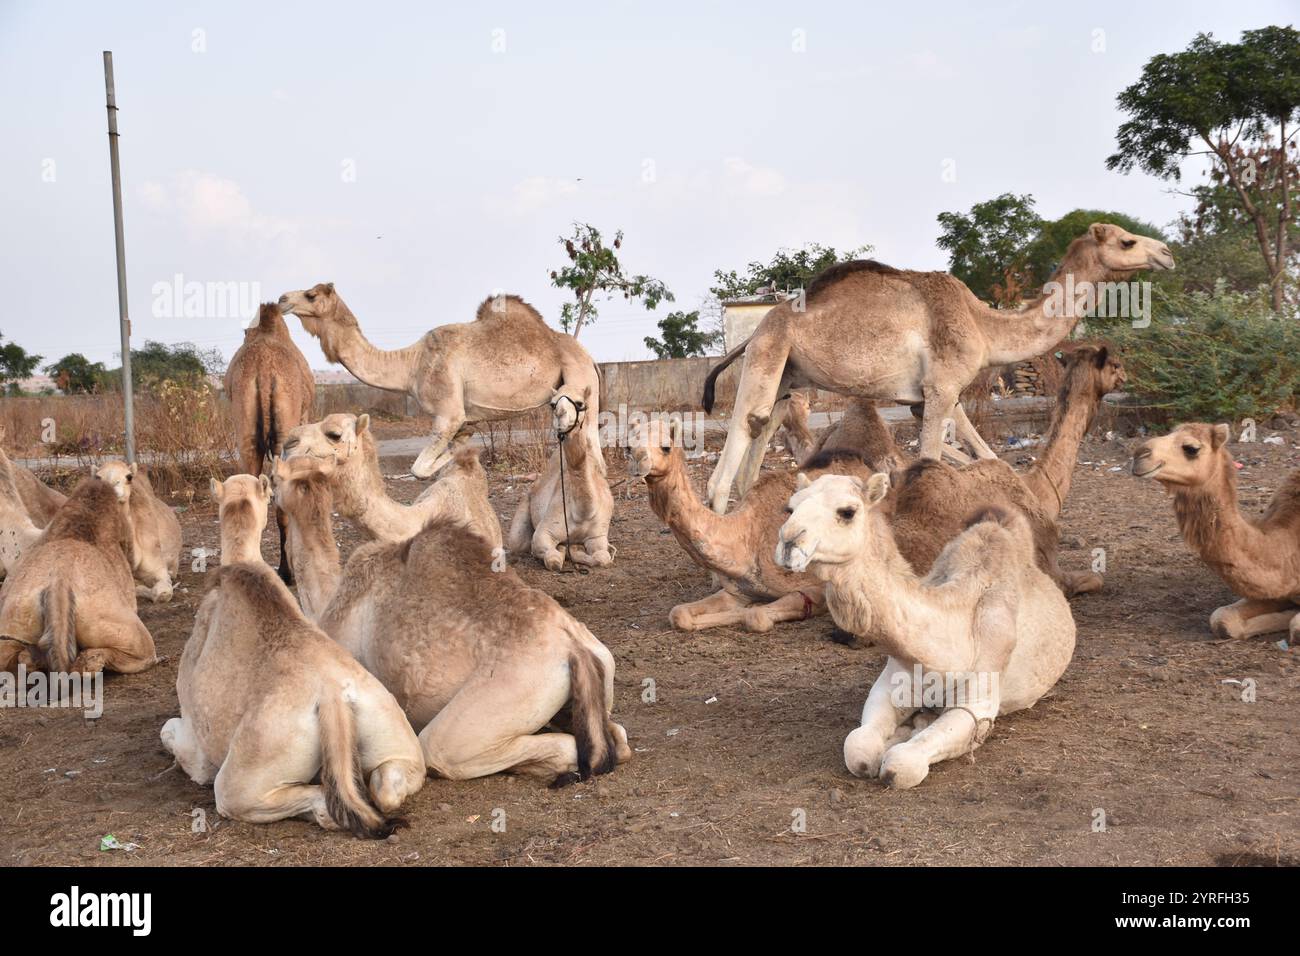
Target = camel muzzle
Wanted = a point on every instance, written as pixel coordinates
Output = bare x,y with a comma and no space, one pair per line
1143,466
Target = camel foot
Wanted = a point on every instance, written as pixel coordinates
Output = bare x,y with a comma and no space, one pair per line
429,462
159,594
1085,582
1227,625
903,769
622,751
564,780
89,662
757,620
863,750
680,618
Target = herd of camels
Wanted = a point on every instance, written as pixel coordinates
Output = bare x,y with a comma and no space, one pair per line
426,652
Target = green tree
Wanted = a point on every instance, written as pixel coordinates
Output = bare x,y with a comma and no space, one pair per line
1044,252
681,336
76,373
1238,101
157,362
15,364
594,270
987,246
789,270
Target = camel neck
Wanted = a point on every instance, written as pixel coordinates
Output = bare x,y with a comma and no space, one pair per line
376,367
1071,419
1210,520
698,529
360,495
314,556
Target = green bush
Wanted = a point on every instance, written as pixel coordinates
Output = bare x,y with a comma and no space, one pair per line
1210,357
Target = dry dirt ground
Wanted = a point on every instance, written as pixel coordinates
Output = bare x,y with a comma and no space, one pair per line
744,735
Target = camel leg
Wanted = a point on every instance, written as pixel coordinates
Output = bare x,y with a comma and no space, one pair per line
179,740
967,433
760,384
939,407
285,570
789,607
595,552
753,463
716,610
119,643
160,592
1250,617
445,427
547,549
888,706
260,780
953,734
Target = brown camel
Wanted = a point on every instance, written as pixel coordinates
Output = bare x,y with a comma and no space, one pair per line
479,661
271,390
69,606
871,331
504,363
1258,558
345,447
155,530
269,704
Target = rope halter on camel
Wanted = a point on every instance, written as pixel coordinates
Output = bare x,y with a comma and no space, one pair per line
561,434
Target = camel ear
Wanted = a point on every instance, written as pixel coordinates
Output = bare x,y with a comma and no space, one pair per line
279,468
135,467
801,481
877,487
1219,436
674,432
1099,231
329,286
264,482
1102,355
363,422
216,489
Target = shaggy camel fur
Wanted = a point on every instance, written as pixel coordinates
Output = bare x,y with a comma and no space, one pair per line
576,524
504,363
268,702
155,531
480,661
868,330
271,390
737,547
985,622
242,502
70,603
26,506
1258,558
345,446
794,432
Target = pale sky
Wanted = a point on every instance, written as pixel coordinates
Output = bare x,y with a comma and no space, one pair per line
421,157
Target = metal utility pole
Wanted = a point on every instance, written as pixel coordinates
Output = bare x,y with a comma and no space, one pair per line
124,319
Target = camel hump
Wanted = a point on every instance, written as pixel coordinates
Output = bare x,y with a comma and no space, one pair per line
507,307
832,275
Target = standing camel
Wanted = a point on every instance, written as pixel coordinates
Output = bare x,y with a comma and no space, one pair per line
504,363
868,330
271,389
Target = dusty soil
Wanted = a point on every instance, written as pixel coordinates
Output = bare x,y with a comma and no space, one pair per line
746,730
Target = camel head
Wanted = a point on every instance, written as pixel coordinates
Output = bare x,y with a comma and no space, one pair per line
1092,370
322,313
650,445
827,521
332,441
298,482
1121,253
118,475
569,407
1189,456
243,488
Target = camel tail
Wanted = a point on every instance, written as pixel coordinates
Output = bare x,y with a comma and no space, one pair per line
346,797
59,639
711,380
597,751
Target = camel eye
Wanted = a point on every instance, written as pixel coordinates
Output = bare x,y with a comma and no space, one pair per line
129,476
846,514
788,510
1128,243
311,296
1191,451
665,448
334,436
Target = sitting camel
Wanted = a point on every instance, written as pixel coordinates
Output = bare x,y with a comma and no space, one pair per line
575,523
737,547
478,660
872,331
985,626
271,390
242,502
155,531
345,446
26,506
268,702
1258,558
504,363
69,605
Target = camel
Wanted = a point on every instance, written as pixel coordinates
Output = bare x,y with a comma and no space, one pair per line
1258,558
26,506
567,512
242,502
755,592
478,660
271,390
985,622
794,432
155,531
504,363
69,605
872,331
346,447
268,701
